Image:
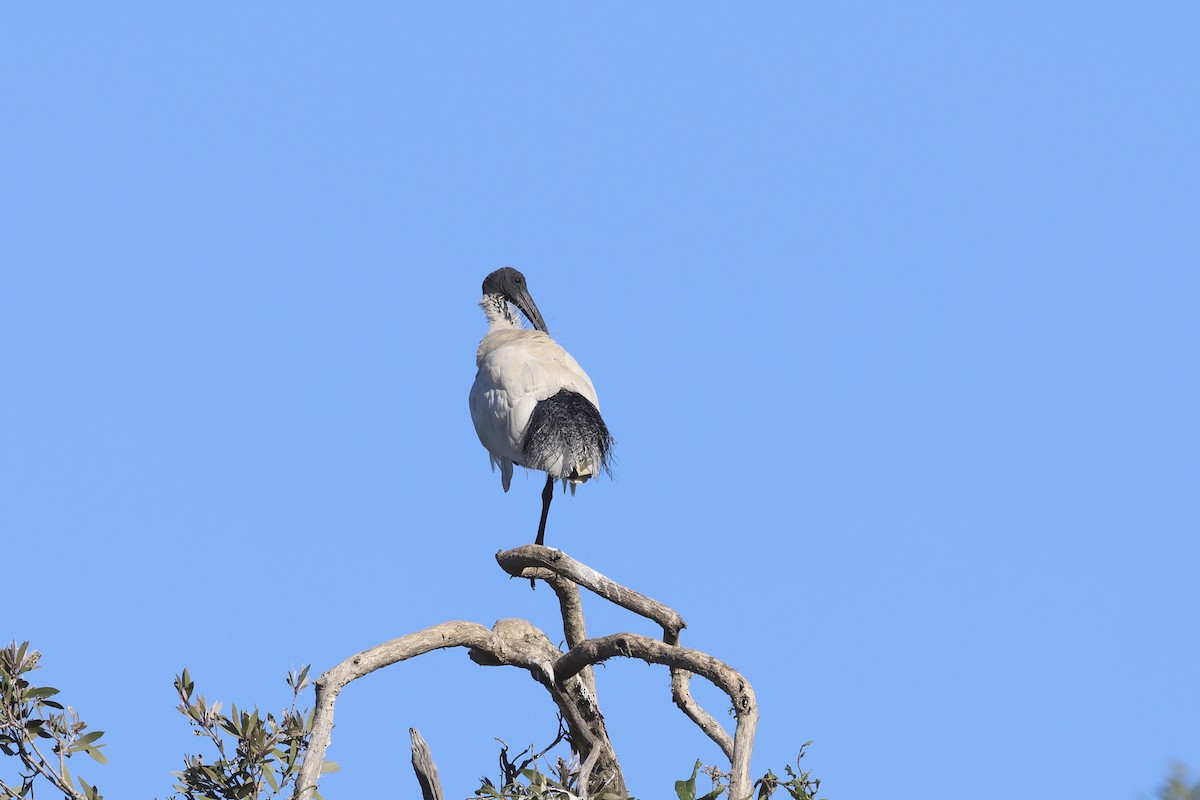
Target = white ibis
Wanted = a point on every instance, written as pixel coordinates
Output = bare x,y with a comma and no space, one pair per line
532,404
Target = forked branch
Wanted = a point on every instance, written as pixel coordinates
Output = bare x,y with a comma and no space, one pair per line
511,642
567,676
723,676
555,567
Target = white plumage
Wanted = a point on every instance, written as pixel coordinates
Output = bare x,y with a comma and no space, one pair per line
519,368
532,404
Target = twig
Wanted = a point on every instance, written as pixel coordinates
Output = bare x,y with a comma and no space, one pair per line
56,780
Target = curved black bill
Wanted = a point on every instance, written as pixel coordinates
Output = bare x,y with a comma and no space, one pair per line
522,300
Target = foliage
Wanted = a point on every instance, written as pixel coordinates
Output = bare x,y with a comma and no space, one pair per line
28,716
686,790
531,784
1178,786
520,778
800,784
267,752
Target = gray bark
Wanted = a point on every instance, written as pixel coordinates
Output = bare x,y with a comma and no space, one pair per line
517,560
427,774
568,677
556,567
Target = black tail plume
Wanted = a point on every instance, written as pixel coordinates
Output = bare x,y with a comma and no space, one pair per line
567,438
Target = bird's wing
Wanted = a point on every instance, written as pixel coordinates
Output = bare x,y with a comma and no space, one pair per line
490,411
549,368
517,370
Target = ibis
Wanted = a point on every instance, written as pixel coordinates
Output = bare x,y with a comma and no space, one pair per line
532,404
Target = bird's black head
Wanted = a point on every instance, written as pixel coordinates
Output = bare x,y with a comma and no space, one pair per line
510,284
503,281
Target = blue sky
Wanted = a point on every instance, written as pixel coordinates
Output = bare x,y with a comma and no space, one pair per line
892,311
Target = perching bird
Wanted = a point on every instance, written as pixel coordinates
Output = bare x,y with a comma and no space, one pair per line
531,403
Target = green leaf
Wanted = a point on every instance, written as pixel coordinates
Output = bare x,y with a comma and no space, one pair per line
330,766
298,680
42,691
686,790
88,738
95,753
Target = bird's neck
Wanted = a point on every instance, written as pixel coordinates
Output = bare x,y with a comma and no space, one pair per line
499,312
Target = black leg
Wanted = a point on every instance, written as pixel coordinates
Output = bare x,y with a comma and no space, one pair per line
547,496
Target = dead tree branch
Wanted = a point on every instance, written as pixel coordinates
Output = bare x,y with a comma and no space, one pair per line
517,560
681,694
574,627
723,676
553,566
330,685
511,642
427,773
568,677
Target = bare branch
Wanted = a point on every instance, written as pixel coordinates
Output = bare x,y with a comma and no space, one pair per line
569,603
590,744
681,694
567,676
427,772
561,571
329,685
517,560
723,676
512,642
574,626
